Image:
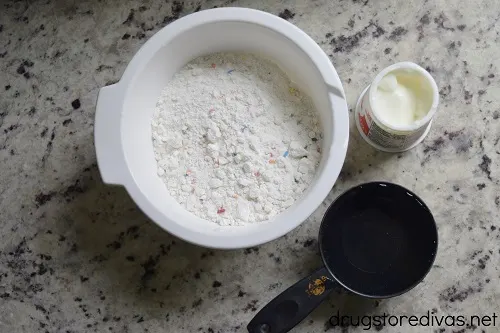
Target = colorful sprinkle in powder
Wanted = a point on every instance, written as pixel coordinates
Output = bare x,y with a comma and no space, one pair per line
271,161
220,210
230,71
294,92
285,154
213,65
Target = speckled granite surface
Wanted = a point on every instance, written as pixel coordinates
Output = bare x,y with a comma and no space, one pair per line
78,256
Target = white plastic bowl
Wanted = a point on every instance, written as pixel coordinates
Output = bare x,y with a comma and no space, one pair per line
124,111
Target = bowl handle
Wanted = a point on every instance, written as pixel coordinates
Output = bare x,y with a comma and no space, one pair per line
107,139
334,90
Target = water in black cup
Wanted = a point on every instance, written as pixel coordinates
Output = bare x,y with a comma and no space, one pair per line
377,240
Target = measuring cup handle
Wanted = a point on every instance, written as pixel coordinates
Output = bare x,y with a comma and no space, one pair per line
294,304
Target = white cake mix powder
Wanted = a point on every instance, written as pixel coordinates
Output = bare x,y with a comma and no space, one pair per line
234,140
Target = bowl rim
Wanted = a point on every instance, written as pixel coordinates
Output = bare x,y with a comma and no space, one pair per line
336,154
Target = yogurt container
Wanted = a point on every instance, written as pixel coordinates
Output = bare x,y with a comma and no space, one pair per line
394,113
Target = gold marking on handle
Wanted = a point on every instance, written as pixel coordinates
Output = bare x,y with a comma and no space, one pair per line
317,287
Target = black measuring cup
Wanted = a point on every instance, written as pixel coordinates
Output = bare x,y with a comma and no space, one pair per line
377,240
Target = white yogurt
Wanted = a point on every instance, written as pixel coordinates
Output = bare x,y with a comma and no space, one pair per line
395,112
401,98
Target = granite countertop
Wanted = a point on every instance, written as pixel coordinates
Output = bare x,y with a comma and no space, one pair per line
78,256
